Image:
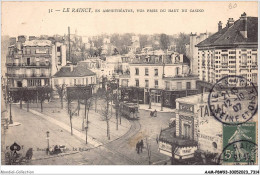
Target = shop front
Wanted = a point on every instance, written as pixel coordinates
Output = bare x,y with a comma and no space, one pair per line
132,94
180,149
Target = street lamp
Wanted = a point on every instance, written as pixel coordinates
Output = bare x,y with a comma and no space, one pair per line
10,103
86,128
48,143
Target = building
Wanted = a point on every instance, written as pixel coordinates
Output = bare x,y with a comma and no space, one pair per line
74,75
192,132
195,133
233,50
192,50
157,80
32,63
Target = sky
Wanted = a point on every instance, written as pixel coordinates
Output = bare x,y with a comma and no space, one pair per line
33,19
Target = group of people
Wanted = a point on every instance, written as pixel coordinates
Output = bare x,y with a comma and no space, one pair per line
139,146
153,113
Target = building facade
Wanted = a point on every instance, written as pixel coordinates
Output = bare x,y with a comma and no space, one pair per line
192,50
233,50
74,75
32,63
157,80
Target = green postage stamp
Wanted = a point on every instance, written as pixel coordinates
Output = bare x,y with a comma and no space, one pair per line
239,144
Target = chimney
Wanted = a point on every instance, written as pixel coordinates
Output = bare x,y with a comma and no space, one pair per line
219,26
230,22
243,19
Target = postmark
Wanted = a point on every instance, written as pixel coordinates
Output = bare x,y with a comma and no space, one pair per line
239,144
233,100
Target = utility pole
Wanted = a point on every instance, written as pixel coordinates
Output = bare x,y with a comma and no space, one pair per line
71,131
150,99
69,42
162,99
11,119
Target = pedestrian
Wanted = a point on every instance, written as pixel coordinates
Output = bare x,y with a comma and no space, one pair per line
142,145
29,154
155,113
138,147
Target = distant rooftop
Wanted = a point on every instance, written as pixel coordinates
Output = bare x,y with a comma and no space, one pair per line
76,71
38,43
232,35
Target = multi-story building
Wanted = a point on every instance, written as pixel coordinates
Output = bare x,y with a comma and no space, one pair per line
32,63
158,80
233,50
72,75
192,50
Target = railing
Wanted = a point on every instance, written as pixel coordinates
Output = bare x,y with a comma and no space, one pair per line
28,65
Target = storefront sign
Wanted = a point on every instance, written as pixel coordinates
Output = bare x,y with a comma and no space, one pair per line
186,107
185,152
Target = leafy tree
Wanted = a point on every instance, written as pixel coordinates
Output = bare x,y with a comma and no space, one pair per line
61,89
180,43
143,40
164,41
43,93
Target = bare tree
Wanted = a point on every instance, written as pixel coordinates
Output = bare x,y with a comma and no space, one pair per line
61,89
148,147
105,112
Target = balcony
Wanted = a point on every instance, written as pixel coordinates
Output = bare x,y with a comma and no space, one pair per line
30,65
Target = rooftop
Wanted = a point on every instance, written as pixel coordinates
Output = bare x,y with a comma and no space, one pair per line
168,135
76,71
38,43
232,35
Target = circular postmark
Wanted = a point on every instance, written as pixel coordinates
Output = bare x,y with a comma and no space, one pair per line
239,152
233,100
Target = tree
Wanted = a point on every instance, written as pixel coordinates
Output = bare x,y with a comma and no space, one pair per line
43,94
105,111
164,41
143,40
148,147
61,89
180,43
27,96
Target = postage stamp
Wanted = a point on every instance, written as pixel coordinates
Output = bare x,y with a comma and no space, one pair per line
230,104
239,144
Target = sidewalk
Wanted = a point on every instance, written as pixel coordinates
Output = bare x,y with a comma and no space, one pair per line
157,108
97,131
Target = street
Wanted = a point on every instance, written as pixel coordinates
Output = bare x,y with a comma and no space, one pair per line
119,150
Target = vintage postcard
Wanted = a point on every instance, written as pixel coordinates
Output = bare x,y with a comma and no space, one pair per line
130,83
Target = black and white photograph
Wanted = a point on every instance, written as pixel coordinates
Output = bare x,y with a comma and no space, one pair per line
158,84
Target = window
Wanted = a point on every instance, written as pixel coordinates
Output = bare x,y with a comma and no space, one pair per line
188,85
146,71
41,50
155,72
28,61
179,85
187,131
254,59
147,83
137,82
156,83
224,58
244,60
136,71
177,71
58,49
167,85
254,79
